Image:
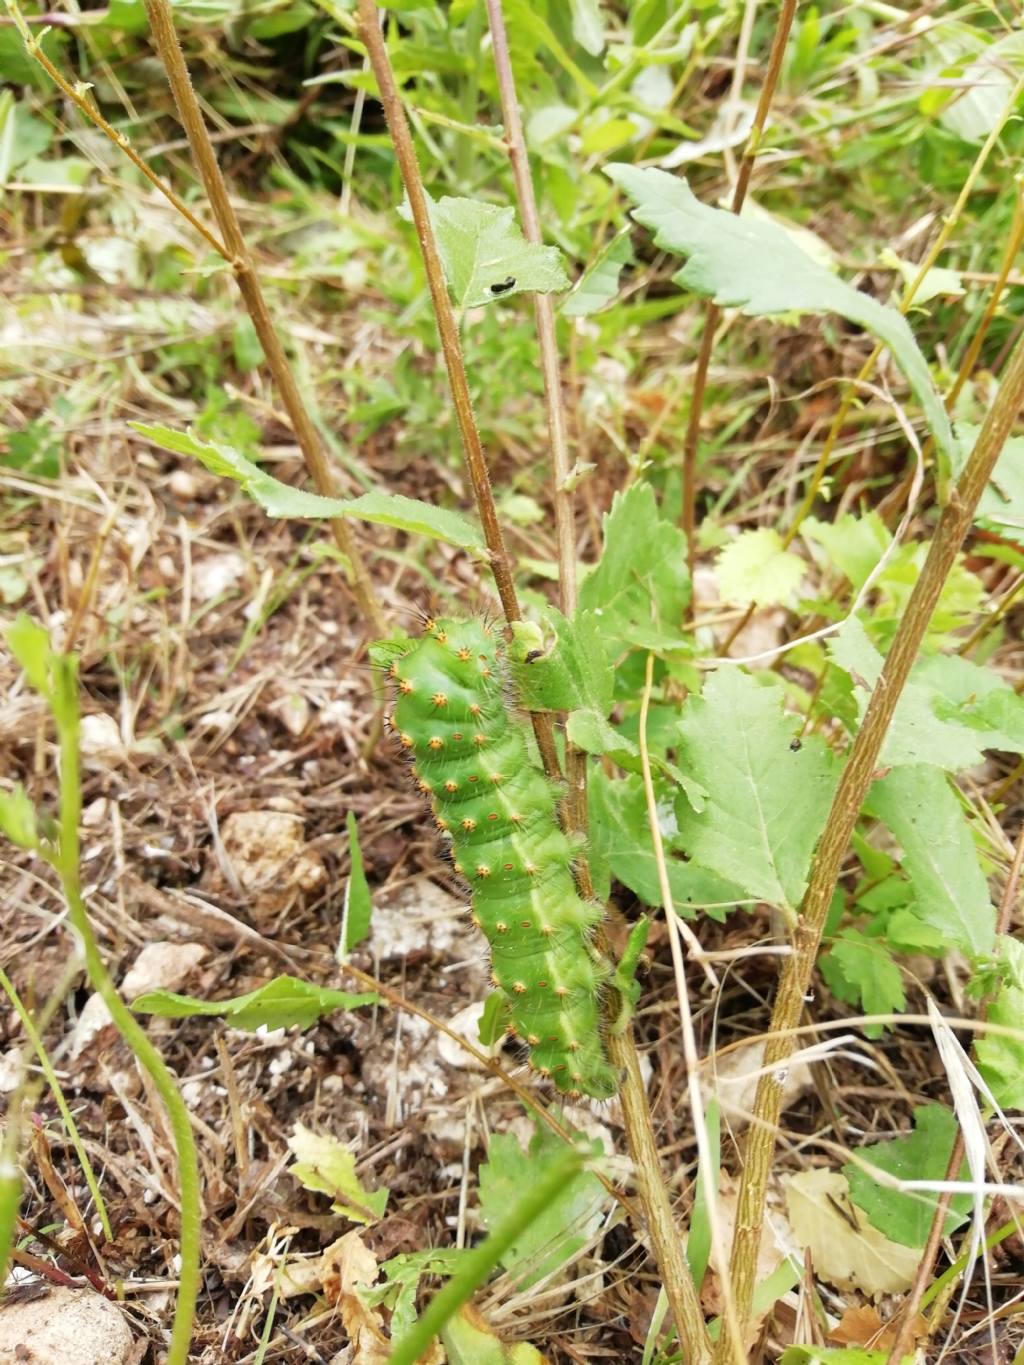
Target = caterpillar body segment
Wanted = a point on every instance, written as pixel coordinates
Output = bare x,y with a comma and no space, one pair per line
454,717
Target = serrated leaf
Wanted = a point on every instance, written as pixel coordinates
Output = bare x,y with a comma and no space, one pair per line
279,1004
916,734
640,588
600,285
755,567
325,1165
939,856
358,906
280,500
402,1275
620,835
757,267
30,645
561,667
1001,1057
485,256
554,1239
18,817
905,1216
860,971
853,544
845,1250
974,697
766,803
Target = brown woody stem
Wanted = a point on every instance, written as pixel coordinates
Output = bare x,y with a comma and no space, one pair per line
236,252
857,776
444,314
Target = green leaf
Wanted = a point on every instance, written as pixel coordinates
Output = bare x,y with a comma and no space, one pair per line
853,544
485,256
600,285
620,836
279,1004
766,802
402,1275
470,1341
30,645
561,667
976,698
860,971
836,1355
280,500
939,855
493,1019
358,905
588,25
325,1165
755,567
757,267
553,1239
917,734
905,1216
18,817
1000,1057
640,589
1001,508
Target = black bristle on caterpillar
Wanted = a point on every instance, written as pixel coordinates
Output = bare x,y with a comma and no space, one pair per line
453,716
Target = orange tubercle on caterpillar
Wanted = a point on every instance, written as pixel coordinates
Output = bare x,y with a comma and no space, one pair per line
435,742
519,987
469,824
482,870
404,686
464,655
501,927
439,699
451,786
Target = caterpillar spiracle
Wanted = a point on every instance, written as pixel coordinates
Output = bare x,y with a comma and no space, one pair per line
454,716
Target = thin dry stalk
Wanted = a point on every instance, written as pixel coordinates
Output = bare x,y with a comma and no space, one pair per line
905,1335
236,253
857,776
476,463
558,436
711,311
668,1253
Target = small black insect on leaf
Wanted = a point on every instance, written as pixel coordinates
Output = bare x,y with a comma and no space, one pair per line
796,745
504,286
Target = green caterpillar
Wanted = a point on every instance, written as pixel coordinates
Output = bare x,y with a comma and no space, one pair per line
452,714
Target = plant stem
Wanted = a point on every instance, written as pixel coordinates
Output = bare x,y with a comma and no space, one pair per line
236,253
664,1234
476,463
905,1335
475,1265
46,1066
558,437
66,861
654,1196
711,310
857,776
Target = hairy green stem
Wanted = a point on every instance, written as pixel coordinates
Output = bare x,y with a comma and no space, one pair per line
66,862
858,774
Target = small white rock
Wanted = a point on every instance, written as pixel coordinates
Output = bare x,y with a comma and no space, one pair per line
100,737
467,1024
215,575
162,966
182,484
64,1327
